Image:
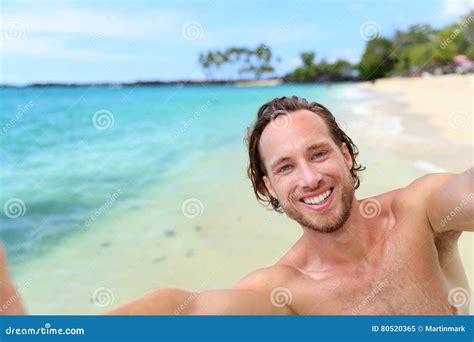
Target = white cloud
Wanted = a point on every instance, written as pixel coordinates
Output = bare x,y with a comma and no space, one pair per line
456,8
89,23
81,34
54,49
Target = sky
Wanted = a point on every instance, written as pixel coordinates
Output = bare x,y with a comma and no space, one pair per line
118,41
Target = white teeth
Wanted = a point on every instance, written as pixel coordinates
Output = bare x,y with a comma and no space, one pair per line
317,199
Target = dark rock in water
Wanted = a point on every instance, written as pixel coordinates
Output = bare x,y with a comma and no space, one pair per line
189,253
105,244
159,259
198,228
170,232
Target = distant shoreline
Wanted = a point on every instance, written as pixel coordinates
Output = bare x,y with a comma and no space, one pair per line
245,83
263,82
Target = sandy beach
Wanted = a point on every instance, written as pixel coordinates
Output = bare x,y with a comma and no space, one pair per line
445,101
435,115
260,83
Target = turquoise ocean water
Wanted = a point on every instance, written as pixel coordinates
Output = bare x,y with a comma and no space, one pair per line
69,154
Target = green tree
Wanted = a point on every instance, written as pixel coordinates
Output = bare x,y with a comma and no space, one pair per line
416,34
447,43
470,53
378,59
239,61
308,58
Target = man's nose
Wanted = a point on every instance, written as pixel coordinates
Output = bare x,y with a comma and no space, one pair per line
309,177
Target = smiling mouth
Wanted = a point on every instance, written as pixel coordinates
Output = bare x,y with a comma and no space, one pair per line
318,200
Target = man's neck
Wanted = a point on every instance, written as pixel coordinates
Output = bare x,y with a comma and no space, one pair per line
347,246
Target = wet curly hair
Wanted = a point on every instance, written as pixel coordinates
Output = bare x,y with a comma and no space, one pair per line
282,106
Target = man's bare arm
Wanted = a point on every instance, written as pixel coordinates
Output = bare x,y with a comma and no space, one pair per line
251,296
10,299
170,301
450,201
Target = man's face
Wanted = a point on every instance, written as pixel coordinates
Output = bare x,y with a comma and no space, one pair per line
307,172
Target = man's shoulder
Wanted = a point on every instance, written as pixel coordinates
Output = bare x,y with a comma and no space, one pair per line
429,181
409,201
416,192
410,204
268,278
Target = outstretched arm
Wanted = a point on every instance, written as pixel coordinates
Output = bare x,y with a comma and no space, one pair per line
251,296
10,300
450,202
170,301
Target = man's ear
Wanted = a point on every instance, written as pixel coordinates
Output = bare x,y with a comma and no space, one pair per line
269,186
347,155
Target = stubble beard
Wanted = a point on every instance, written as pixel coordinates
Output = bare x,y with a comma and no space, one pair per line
335,219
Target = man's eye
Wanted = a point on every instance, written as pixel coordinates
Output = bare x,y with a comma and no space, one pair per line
318,155
284,168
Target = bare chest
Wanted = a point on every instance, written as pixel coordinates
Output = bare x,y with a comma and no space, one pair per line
404,279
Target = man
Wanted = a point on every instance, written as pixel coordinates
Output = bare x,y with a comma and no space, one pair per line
395,253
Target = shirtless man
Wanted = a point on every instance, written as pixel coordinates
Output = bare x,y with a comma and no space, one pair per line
392,254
